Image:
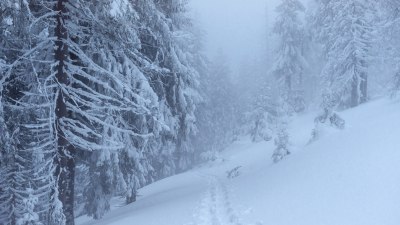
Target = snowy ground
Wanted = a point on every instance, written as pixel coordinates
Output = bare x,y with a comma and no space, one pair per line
349,177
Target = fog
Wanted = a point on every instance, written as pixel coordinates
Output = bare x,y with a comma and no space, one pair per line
237,27
188,112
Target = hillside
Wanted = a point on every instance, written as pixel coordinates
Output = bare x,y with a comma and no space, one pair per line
349,177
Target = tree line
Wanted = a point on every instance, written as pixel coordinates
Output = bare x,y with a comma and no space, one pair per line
99,98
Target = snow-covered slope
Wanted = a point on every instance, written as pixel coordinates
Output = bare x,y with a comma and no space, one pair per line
349,177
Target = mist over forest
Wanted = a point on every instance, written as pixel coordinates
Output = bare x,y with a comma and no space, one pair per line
199,112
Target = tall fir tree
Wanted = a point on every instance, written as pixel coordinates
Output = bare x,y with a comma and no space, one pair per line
290,64
263,115
289,70
390,42
108,87
80,87
345,29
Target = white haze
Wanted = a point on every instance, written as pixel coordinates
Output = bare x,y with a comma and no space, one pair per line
238,27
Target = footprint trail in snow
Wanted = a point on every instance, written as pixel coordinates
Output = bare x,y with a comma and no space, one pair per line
216,207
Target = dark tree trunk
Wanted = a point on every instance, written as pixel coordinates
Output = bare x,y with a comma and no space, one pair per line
65,160
364,88
354,98
132,198
359,90
288,83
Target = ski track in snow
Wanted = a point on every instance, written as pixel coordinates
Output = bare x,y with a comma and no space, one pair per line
216,206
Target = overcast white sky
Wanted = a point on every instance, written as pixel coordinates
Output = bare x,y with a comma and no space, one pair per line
238,27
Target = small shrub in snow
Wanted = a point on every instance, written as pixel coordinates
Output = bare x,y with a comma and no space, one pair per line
210,156
282,145
233,172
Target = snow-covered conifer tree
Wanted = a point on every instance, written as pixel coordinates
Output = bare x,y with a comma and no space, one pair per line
109,86
281,144
217,121
88,77
263,115
290,63
391,31
281,121
166,41
180,61
345,28
27,160
289,69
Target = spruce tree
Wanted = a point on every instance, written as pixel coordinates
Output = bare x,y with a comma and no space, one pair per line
290,64
263,116
391,31
108,87
218,120
345,29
